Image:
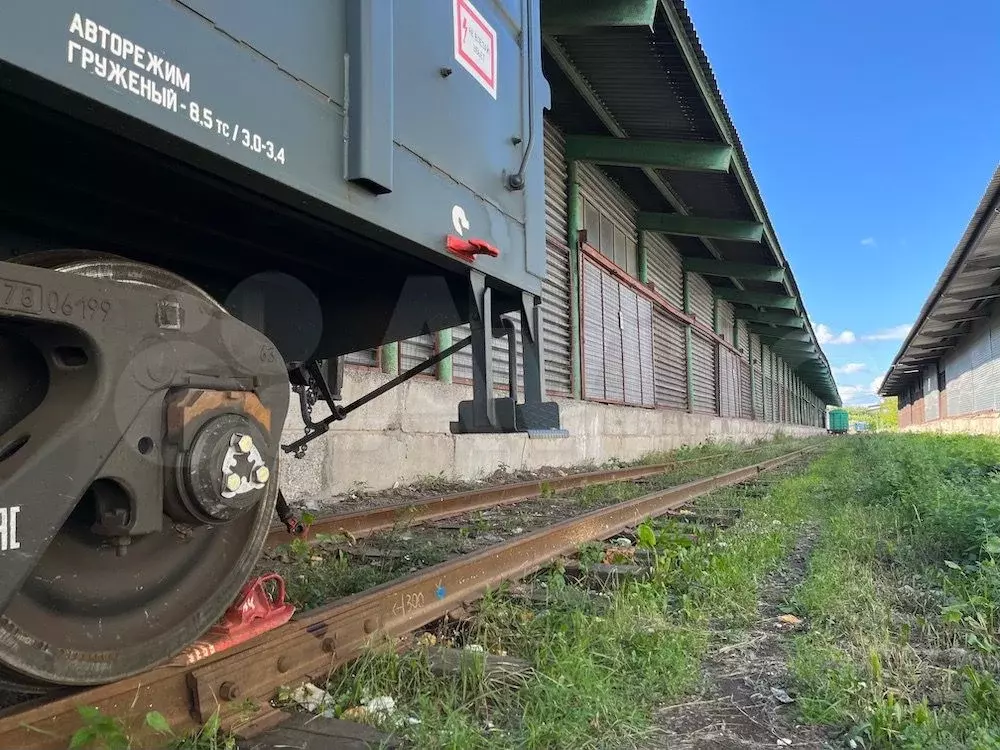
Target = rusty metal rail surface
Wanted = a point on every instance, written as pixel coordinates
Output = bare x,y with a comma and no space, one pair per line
364,522
320,640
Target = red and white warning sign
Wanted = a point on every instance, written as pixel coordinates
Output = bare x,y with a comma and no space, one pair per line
476,45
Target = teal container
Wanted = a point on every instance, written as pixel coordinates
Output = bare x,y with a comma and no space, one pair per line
839,420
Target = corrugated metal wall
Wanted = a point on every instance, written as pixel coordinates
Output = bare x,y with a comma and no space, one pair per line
366,357
609,218
555,290
701,299
664,266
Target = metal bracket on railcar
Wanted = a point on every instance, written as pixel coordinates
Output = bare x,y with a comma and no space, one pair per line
485,413
311,385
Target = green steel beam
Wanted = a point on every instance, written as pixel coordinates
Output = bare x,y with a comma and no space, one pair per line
771,334
390,358
445,368
762,299
689,156
596,104
749,271
574,17
700,226
788,320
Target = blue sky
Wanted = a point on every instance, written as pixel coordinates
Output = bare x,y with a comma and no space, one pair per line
872,128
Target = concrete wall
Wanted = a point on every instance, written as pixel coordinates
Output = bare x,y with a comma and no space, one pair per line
404,435
987,423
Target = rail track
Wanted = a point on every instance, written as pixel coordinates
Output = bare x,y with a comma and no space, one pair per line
239,683
398,515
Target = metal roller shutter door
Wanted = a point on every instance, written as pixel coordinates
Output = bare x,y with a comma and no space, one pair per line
664,267
593,332
767,366
931,393
618,341
631,358
701,299
758,377
646,352
614,375
669,361
555,289
729,383
957,364
746,407
703,374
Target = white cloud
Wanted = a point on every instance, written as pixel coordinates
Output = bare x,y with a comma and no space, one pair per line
859,395
850,368
868,242
896,333
827,336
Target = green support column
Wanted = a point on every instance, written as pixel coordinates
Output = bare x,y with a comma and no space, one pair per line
444,368
641,261
572,240
715,315
688,343
753,386
390,358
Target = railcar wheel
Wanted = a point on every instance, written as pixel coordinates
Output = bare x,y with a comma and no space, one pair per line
89,615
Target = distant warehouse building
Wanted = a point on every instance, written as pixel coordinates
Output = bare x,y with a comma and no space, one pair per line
947,373
670,312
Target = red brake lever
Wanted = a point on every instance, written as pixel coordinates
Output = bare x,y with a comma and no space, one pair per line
468,249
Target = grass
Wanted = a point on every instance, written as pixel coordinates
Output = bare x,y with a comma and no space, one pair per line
321,573
600,665
903,594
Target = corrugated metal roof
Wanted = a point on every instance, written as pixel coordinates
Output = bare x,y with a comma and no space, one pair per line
973,269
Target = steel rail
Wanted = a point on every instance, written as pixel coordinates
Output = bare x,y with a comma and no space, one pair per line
320,640
365,522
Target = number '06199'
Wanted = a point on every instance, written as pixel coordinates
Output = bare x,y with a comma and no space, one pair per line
8,528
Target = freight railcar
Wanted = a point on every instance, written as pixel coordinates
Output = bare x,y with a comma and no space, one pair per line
839,421
204,204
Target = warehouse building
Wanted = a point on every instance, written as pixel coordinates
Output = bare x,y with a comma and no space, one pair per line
670,313
947,372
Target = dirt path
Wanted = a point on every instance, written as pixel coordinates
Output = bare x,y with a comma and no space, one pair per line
745,701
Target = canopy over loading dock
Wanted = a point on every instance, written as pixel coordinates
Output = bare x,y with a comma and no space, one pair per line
633,92
947,366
